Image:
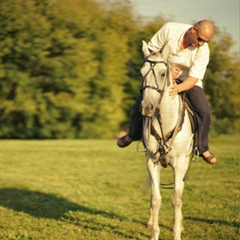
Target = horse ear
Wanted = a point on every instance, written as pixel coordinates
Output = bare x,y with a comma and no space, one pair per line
145,50
165,51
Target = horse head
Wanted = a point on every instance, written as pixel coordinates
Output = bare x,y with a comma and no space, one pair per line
154,80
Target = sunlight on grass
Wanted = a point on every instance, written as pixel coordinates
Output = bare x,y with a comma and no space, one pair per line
90,189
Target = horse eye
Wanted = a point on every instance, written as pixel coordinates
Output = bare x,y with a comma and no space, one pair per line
163,74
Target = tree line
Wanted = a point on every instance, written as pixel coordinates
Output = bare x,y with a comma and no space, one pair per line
69,69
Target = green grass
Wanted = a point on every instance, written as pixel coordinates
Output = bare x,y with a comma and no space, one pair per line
90,189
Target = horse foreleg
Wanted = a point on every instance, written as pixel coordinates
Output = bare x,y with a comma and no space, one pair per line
179,172
177,204
154,172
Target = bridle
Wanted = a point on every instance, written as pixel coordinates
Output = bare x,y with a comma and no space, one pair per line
163,147
153,63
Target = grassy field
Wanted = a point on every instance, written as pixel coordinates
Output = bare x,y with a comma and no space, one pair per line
90,189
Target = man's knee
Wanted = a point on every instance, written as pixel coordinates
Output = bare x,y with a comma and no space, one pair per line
207,115
136,108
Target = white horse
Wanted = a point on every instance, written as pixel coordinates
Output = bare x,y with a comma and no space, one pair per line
164,143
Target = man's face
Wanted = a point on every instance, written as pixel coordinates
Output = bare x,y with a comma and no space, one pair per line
198,37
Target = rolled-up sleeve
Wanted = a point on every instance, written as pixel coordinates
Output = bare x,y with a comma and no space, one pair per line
200,62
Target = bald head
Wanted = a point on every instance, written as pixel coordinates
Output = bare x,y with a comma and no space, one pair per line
205,29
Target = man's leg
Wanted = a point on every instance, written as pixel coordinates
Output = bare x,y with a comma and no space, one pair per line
198,100
135,127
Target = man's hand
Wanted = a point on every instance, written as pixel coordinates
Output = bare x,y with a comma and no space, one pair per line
175,72
189,83
173,90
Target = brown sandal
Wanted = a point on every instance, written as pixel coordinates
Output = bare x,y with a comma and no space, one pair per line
209,158
123,141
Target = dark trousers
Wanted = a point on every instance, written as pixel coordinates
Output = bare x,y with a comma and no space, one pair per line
199,103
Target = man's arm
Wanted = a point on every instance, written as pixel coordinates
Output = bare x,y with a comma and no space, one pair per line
189,83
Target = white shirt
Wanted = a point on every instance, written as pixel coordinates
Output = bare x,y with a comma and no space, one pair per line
192,61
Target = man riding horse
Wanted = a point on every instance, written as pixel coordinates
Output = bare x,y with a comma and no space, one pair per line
188,58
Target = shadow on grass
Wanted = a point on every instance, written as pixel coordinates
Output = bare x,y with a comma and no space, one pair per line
42,205
212,221
38,204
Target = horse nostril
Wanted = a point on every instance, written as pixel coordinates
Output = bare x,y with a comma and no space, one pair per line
147,109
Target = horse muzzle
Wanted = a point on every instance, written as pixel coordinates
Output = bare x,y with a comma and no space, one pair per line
147,109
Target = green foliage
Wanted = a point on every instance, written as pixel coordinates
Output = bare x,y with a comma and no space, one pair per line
222,85
77,190
70,70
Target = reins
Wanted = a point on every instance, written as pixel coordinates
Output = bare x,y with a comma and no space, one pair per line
171,134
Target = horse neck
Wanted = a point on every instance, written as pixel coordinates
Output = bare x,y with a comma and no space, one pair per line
169,111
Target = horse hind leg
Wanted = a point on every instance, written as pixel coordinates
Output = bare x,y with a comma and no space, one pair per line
150,221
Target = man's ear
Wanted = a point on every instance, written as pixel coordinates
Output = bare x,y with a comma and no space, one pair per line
145,49
194,28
